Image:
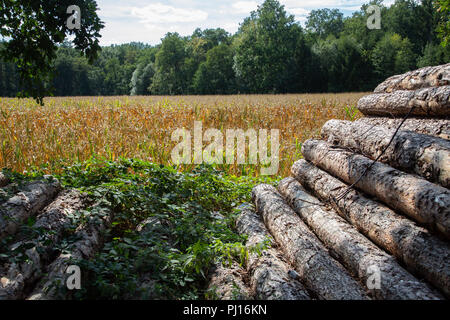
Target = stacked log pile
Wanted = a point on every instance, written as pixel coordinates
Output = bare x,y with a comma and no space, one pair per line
36,268
53,219
270,277
366,213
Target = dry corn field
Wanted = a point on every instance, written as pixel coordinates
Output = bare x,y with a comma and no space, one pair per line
66,130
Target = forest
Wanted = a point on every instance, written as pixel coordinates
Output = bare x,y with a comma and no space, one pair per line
270,53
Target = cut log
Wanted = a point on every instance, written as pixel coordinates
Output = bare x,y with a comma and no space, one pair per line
379,271
90,236
424,155
3,180
419,199
51,223
422,78
439,128
25,204
431,102
422,253
268,272
318,271
227,283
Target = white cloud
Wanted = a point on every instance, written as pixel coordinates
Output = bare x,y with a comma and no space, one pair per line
244,6
316,4
298,11
300,14
309,3
149,20
108,11
161,13
230,27
388,3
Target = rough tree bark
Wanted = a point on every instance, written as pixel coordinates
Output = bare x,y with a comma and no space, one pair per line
421,200
422,253
227,283
268,273
90,236
3,180
422,78
317,269
424,155
439,128
25,204
51,222
361,257
432,102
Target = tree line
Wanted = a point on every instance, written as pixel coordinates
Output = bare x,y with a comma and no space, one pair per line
270,53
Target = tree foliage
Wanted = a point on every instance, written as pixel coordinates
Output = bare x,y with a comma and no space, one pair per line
443,7
216,75
325,22
35,28
265,48
270,53
170,66
393,55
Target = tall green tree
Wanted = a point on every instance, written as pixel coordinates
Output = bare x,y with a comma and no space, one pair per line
393,55
170,66
216,75
142,79
413,20
434,54
9,79
443,29
344,64
213,37
325,22
265,49
34,28
356,26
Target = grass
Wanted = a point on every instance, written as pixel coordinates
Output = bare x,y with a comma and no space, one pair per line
172,256
71,130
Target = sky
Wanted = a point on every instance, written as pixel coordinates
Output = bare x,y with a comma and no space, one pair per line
148,21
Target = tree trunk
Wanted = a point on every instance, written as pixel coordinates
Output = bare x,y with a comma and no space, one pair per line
317,269
90,236
421,252
361,257
426,156
268,272
227,283
26,204
52,221
3,180
439,128
431,102
422,78
421,200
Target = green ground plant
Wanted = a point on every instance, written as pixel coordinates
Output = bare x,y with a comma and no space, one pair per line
192,227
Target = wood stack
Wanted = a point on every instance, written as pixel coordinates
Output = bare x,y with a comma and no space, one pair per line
36,268
366,213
